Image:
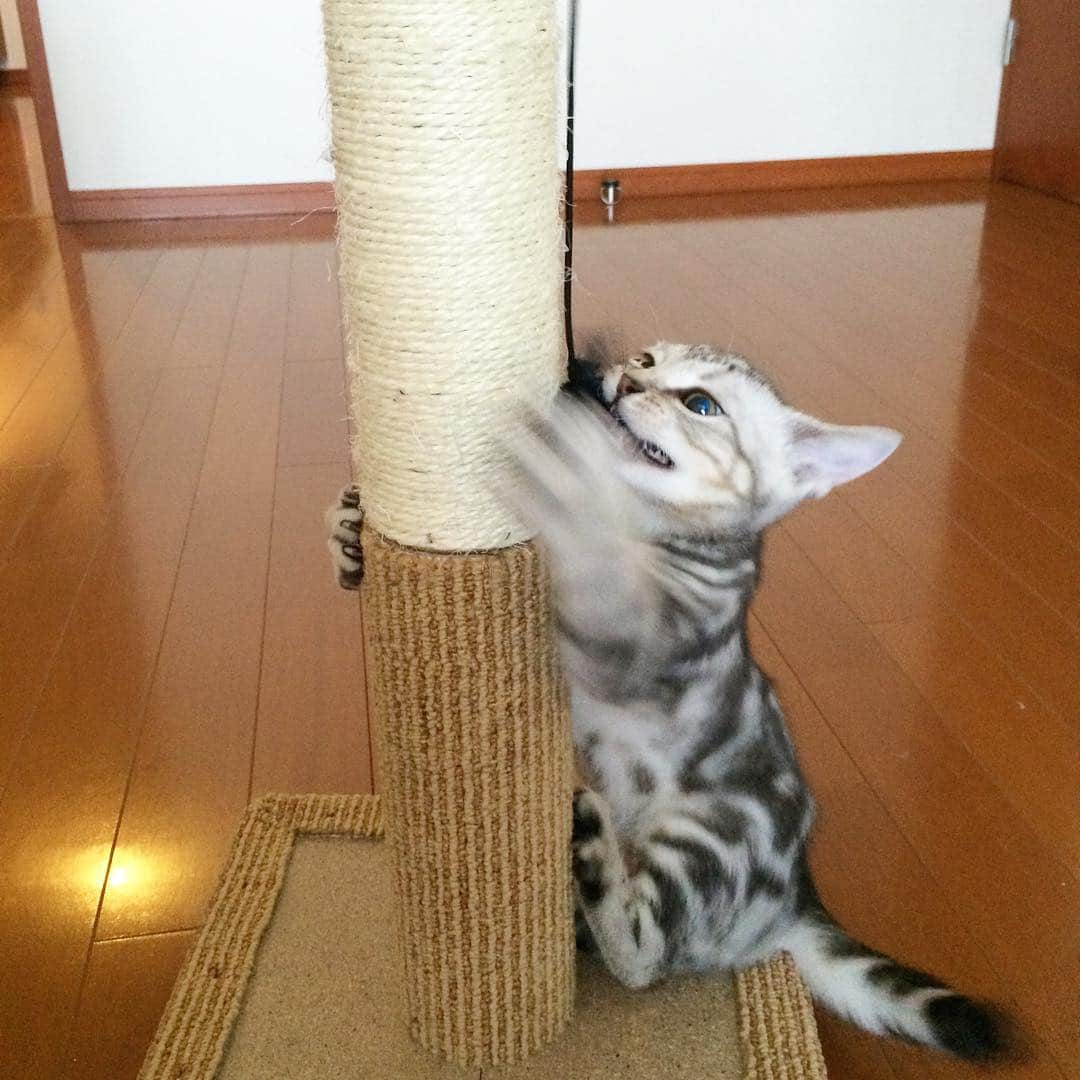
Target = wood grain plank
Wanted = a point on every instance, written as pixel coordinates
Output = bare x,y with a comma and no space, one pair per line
21,364
1011,262
35,601
113,406
899,745
262,309
874,882
857,340
873,580
314,416
61,804
975,585
64,384
999,722
1036,553
1051,500
1022,302
149,330
313,731
1042,388
314,310
998,326
28,252
895,321
202,337
19,491
1055,442
1032,251
36,309
40,422
1035,210
127,986
90,465
114,282
190,779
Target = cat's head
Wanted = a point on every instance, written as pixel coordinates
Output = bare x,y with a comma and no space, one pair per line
712,443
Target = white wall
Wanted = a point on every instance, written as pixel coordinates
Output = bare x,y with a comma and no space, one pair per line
175,93
13,42
693,81
194,92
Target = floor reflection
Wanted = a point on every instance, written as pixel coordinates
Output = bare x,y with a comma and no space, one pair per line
24,191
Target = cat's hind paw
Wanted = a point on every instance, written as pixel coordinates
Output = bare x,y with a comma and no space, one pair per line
583,935
343,521
592,843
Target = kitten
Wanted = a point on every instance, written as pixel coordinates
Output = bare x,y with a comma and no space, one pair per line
650,485
690,842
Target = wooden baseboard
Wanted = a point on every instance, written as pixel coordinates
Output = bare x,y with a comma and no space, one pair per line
780,175
139,204
255,200
14,81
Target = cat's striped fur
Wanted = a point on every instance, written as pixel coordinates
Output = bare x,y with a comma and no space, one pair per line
690,840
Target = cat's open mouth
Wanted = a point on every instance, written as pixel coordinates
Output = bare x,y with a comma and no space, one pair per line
648,450
654,454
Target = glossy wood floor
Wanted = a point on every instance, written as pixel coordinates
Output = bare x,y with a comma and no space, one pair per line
172,423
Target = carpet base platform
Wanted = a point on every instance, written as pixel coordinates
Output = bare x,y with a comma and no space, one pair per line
297,974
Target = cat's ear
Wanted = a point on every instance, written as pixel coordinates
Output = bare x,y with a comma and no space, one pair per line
822,456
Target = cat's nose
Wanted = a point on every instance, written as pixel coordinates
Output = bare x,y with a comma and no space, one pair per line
626,386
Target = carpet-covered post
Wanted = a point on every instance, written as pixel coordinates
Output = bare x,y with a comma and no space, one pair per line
473,730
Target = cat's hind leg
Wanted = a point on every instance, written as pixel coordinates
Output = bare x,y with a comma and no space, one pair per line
582,934
343,521
624,912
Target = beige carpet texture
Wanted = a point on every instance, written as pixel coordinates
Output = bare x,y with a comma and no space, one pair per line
297,974
475,755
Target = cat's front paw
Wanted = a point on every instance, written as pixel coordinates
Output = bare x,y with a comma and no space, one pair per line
343,520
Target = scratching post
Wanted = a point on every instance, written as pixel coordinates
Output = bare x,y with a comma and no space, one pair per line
474,761
448,185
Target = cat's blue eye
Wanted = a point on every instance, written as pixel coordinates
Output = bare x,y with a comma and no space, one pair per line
699,402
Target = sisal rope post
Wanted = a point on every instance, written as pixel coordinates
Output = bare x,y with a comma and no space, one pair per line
444,119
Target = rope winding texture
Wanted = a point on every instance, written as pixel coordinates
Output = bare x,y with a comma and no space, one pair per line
445,124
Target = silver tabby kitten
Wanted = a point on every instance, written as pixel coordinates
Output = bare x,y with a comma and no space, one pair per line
689,844
690,841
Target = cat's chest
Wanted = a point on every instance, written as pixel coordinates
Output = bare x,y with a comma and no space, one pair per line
634,730
642,730
630,754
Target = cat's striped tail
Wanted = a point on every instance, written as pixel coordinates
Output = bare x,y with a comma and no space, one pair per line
877,993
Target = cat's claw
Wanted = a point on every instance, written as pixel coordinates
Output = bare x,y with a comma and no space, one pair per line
343,521
350,496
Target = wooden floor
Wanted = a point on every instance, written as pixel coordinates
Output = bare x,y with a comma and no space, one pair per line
172,423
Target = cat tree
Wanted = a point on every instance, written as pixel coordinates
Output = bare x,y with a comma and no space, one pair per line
445,120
